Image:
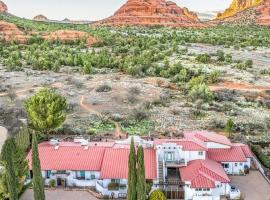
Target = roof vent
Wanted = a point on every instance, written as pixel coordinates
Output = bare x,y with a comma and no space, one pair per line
84,142
86,147
56,147
54,142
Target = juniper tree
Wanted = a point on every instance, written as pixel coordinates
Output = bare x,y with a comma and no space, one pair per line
132,179
38,185
46,110
7,156
141,183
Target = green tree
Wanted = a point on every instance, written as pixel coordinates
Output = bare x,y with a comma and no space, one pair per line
22,139
141,183
229,127
157,195
46,110
7,156
38,185
132,179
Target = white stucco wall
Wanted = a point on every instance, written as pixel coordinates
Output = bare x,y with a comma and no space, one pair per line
234,167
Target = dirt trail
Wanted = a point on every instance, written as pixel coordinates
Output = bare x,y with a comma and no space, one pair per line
238,86
88,108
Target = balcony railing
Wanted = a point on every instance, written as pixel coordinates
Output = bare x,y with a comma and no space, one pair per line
175,163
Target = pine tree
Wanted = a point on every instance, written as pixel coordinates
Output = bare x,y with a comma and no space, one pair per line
7,156
229,127
132,173
38,186
141,183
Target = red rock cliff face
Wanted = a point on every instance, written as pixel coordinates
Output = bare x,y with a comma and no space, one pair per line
10,32
151,12
3,7
264,13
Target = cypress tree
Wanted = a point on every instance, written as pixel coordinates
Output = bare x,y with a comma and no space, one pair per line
38,186
7,156
131,195
141,183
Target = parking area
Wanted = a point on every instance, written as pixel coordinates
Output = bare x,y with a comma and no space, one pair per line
252,186
60,194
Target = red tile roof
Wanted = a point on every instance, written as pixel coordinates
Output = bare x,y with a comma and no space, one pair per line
245,148
206,136
187,144
115,164
69,157
203,173
233,154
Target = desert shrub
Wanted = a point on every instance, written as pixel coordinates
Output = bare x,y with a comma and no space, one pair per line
195,81
52,183
140,115
203,58
201,91
261,156
113,186
220,56
135,90
104,88
213,77
157,195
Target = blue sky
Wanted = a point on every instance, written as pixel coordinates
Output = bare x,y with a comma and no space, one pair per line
93,9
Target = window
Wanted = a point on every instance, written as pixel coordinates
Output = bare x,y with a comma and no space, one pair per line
115,181
235,164
241,164
82,174
170,156
48,174
93,176
225,165
200,153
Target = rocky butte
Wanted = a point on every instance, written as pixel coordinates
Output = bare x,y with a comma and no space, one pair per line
237,6
259,14
40,18
3,7
152,13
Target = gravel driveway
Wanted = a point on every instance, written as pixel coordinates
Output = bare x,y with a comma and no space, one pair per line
252,186
60,194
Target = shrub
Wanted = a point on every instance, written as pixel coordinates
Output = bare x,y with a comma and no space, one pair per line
135,90
52,183
203,58
157,195
220,56
261,156
140,115
201,91
113,186
104,88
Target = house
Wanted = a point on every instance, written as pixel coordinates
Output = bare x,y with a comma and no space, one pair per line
192,168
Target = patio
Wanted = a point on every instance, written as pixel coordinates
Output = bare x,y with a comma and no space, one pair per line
253,186
60,194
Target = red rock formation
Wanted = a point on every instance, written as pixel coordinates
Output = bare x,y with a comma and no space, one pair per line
3,7
150,13
237,6
70,35
10,32
264,13
40,18
254,15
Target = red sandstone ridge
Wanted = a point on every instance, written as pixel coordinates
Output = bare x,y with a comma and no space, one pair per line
255,15
3,7
10,32
151,13
70,35
264,13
